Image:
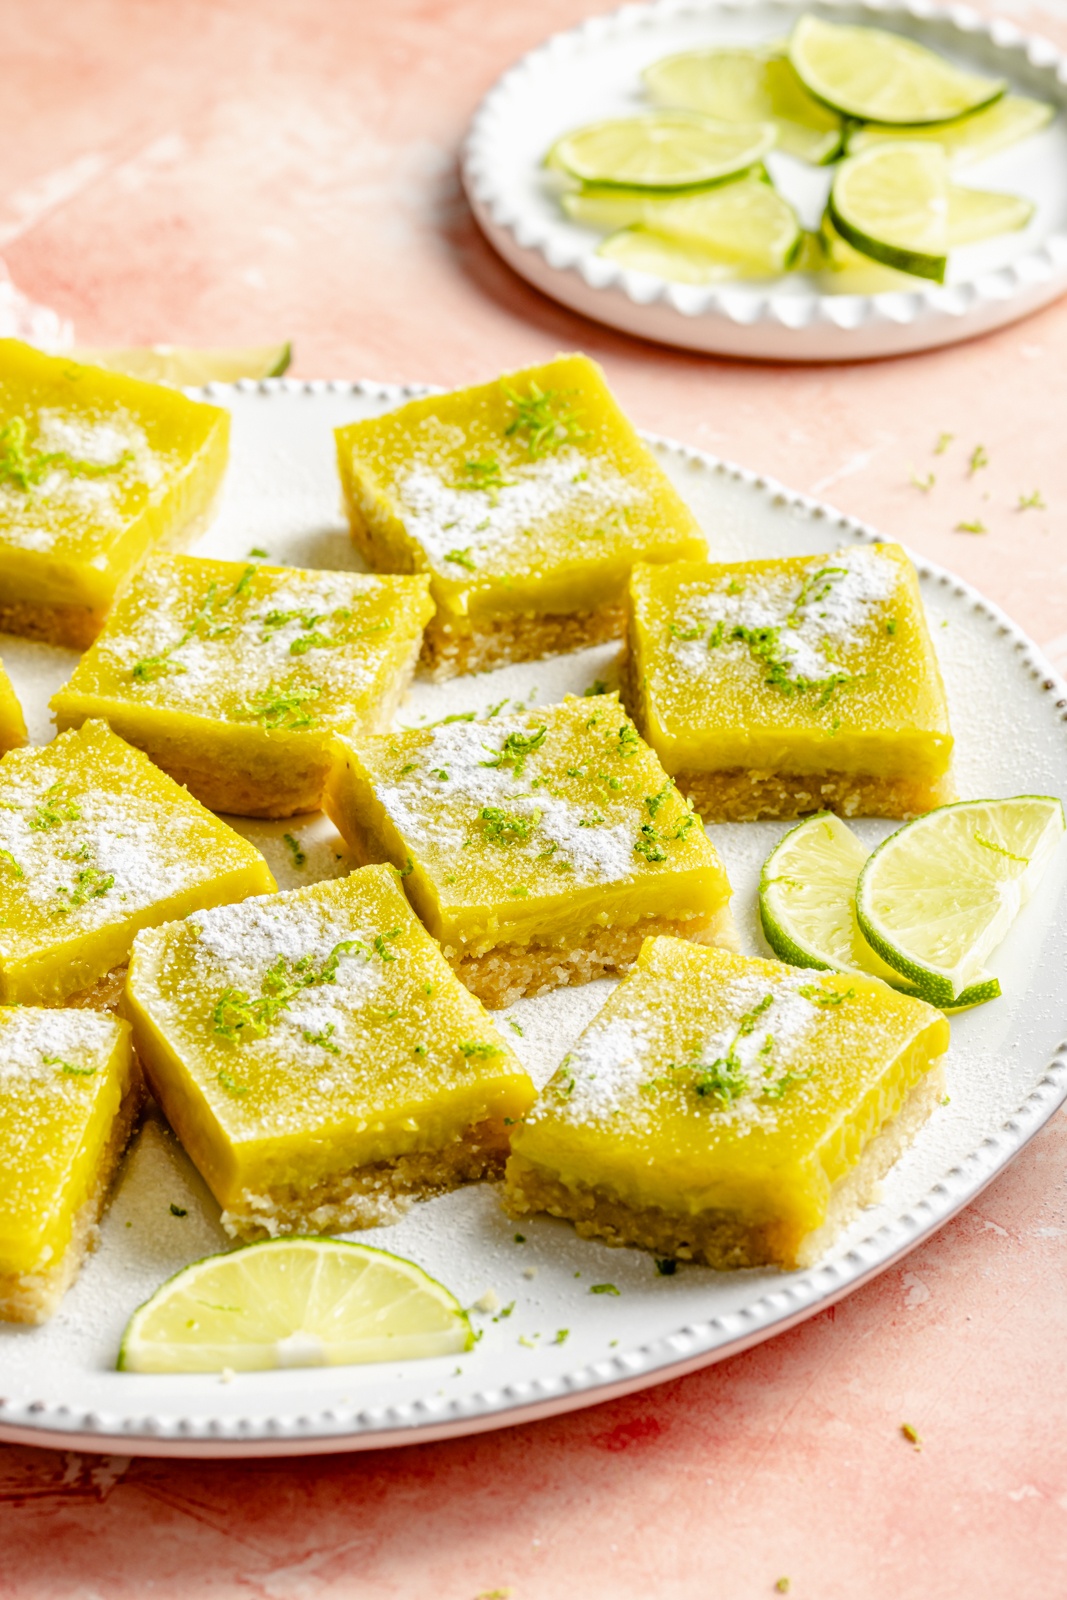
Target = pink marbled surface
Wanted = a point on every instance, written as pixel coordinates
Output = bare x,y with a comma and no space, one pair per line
228,171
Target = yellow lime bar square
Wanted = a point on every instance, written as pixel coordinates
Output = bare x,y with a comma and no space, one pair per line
234,678
95,844
12,722
539,848
527,500
781,687
730,1110
95,468
318,1058
69,1094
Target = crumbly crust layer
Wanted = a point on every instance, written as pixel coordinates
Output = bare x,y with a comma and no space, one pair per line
748,796
449,652
75,627
32,1297
512,972
376,1195
723,1239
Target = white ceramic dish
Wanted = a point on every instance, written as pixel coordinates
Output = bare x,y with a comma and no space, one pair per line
594,70
1006,1073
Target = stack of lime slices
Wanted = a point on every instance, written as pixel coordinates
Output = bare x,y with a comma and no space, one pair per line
683,193
923,911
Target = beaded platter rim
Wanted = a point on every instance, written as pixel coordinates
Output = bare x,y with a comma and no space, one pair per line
40,1421
767,323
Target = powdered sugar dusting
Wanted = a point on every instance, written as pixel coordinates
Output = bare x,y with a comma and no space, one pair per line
489,527
845,593
29,1035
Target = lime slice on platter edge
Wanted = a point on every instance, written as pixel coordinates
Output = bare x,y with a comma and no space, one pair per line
872,75
754,85
294,1302
187,367
937,896
640,249
971,138
807,906
891,203
661,150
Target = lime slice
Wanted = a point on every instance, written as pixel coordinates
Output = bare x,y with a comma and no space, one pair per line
940,894
662,150
975,214
188,368
972,138
875,76
807,905
643,250
891,203
594,206
848,271
749,86
811,253
302,1302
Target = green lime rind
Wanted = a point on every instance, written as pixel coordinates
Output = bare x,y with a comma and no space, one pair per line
276,1318
660,151
873,75
613,207
955,878
891,204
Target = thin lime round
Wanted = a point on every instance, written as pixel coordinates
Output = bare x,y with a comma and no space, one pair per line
941,893
661,150
891,203
807,905
299,1302
187,368
876,76
758,85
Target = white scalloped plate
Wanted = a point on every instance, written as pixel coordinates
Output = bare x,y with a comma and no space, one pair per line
594,70
1006,1072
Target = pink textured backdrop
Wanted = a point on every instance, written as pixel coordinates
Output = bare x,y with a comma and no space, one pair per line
228,171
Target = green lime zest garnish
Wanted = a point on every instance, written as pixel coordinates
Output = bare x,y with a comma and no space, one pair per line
26,468
68,1067
543,420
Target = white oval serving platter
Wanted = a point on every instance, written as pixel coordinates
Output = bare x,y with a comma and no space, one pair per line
593,71
1007,1070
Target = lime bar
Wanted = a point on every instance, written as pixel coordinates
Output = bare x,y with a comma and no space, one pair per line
69,1094
539,849
95,844
527,500
12,722
234,678
775,688
318,1058
294,1303
729,1110
94,469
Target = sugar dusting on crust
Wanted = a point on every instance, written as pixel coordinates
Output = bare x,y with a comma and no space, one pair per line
491,527
858,583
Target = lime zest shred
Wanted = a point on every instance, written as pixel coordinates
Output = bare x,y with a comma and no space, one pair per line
27,468
299,856
543,420
69,1067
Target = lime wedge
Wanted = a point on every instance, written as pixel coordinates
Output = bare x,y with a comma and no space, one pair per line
757,85
661,150
972,138
940,894
188,368
850,272
807,905
301,1302
975,214
617,207
891,203
875,76
643,250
